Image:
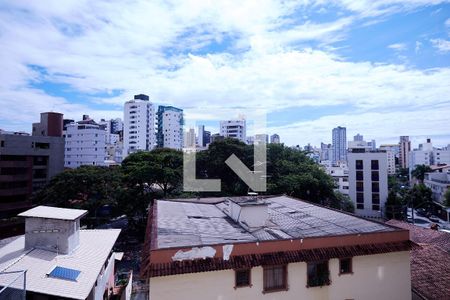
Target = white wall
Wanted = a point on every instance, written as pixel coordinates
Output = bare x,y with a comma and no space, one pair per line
381,276
84,146
138,126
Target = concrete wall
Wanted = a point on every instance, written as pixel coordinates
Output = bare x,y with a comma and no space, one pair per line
382,276
105,280
54,235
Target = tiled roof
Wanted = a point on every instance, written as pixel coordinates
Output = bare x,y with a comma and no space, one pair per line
252,260
430,263
187,224
49,212
89,257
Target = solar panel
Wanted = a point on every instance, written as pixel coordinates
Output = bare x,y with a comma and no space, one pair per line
64,273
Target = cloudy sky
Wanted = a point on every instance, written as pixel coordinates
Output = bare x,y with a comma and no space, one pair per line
378,67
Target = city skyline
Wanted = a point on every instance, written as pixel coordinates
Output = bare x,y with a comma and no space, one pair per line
310,66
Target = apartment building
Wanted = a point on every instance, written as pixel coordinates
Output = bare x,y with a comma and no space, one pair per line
339,141
405,148
170,127
439,183
390,151
274,139
340,177
236,129
368,181
139,125
85,144
274,247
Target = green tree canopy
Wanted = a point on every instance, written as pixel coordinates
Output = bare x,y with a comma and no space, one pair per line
447,198
419,172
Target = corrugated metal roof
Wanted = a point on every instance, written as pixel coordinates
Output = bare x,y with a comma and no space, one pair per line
88,258
186,224
49,212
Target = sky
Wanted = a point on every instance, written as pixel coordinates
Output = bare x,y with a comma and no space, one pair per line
380,68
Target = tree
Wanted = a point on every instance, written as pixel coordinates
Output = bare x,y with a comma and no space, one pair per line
419,172
393,206
420,196
447,198
342,202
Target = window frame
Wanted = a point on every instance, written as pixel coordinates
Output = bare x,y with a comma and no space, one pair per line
326,282
351,266
285,279
249,270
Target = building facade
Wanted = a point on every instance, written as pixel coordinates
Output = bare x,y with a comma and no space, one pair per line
405,148
368,181
236,129
274,139
390,151
439,183
138,125
84,144
170,127
265,249
339,137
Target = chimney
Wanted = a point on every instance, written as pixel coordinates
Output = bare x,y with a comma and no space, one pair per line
52,228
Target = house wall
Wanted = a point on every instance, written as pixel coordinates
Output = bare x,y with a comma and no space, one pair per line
381,276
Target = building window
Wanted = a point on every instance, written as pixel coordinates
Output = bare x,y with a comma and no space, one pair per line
360,200
359,186
359,164
375,176
374,164
345,266
359,175
242,278
375,198
318,274
375,187
376,207
275,278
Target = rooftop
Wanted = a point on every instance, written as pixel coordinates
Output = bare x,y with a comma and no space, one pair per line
49,212
187,224
429,262
88,259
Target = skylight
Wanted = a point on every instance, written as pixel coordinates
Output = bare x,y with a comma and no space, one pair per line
64,273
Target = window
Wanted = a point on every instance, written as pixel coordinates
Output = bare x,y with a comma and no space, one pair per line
375,176
376,207
345,266
359,164
360,200
375,187
242,278
359,175
275,278
318,274
374,164
359,186
375,198
2,143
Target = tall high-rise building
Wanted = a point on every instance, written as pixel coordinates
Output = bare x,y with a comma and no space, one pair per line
138,125
368,177
201,132
85,144
234,129
170,127
405,148
390,151
358,138
206,138
339,144
274,139
189,138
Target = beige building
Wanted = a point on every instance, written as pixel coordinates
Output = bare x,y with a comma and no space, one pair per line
271,248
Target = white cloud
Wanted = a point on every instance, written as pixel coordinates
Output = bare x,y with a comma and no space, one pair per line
441,45
398,46
150,47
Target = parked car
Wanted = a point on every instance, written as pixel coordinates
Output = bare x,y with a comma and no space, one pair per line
421,212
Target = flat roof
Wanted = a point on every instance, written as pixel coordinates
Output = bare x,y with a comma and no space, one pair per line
88,258
49,212
187,224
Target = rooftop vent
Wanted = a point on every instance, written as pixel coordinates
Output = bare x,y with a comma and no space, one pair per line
249,211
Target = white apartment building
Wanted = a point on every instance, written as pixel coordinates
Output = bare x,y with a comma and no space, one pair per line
441,156
368,181
405,148
421,156
390,150
84,144
439,183
234,129
189,138
138,125
340,176
170,127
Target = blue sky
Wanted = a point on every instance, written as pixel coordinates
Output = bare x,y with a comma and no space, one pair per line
380,68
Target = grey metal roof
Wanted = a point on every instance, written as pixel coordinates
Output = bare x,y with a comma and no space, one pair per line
186,224
88,258
49,212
